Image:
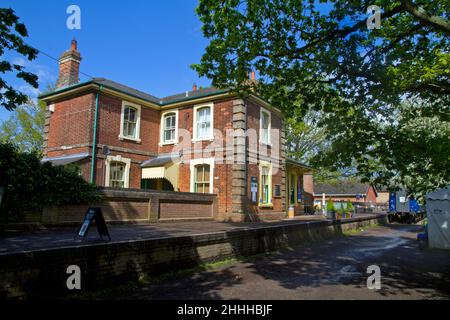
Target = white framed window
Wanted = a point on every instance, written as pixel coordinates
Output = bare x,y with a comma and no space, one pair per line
203,126
202,175
130,121
169,127
117,172
265,189
265,120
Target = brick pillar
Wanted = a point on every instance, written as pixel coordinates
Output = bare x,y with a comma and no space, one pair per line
46,130
283,167
308,187
239,178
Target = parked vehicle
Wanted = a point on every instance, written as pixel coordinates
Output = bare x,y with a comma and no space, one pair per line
404,209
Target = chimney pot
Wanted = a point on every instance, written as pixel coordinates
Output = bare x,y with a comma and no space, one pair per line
73,45
253,75
194,87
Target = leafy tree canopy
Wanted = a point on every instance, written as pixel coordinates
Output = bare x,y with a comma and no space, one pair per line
25,127
12,33
321,56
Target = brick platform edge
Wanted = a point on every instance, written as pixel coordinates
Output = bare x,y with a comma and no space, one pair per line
42,273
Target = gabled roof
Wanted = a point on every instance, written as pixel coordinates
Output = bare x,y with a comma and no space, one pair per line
344,188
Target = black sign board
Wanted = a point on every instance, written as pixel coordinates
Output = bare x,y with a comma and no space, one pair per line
94,214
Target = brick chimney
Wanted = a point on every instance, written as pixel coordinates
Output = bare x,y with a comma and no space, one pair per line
69,65
194,87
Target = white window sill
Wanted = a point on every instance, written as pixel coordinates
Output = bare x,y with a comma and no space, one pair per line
167,143
265,143
202,139
129,138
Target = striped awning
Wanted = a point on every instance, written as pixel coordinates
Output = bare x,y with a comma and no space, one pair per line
161,167
153,172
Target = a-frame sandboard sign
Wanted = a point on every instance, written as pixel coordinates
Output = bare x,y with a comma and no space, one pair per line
93,214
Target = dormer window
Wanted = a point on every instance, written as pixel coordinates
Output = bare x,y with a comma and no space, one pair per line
130,121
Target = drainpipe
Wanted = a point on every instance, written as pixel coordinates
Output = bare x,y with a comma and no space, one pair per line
94,142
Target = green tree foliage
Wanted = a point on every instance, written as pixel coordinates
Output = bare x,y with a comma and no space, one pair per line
350,208
12,33
330,206
30,185
320,56
408,148
306,140
25,127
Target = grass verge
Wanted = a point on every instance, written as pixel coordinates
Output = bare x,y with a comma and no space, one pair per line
347,233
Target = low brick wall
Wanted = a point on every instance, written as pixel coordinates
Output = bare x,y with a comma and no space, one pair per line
138,205
43,273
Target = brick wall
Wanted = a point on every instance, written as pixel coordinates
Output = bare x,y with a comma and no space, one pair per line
110,109
272,154
43,273
70,125
136,205
371,195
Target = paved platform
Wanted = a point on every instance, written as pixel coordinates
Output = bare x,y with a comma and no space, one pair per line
332,269
64,237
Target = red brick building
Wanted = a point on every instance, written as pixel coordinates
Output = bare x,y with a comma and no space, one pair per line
345,191
204,140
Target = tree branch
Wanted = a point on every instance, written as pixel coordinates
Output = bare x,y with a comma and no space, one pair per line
422,15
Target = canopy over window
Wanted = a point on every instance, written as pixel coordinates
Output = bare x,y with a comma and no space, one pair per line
67,159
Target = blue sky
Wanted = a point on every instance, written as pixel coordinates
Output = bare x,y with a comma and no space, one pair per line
147,45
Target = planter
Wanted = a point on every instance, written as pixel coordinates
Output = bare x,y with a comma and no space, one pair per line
291,213
331,215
